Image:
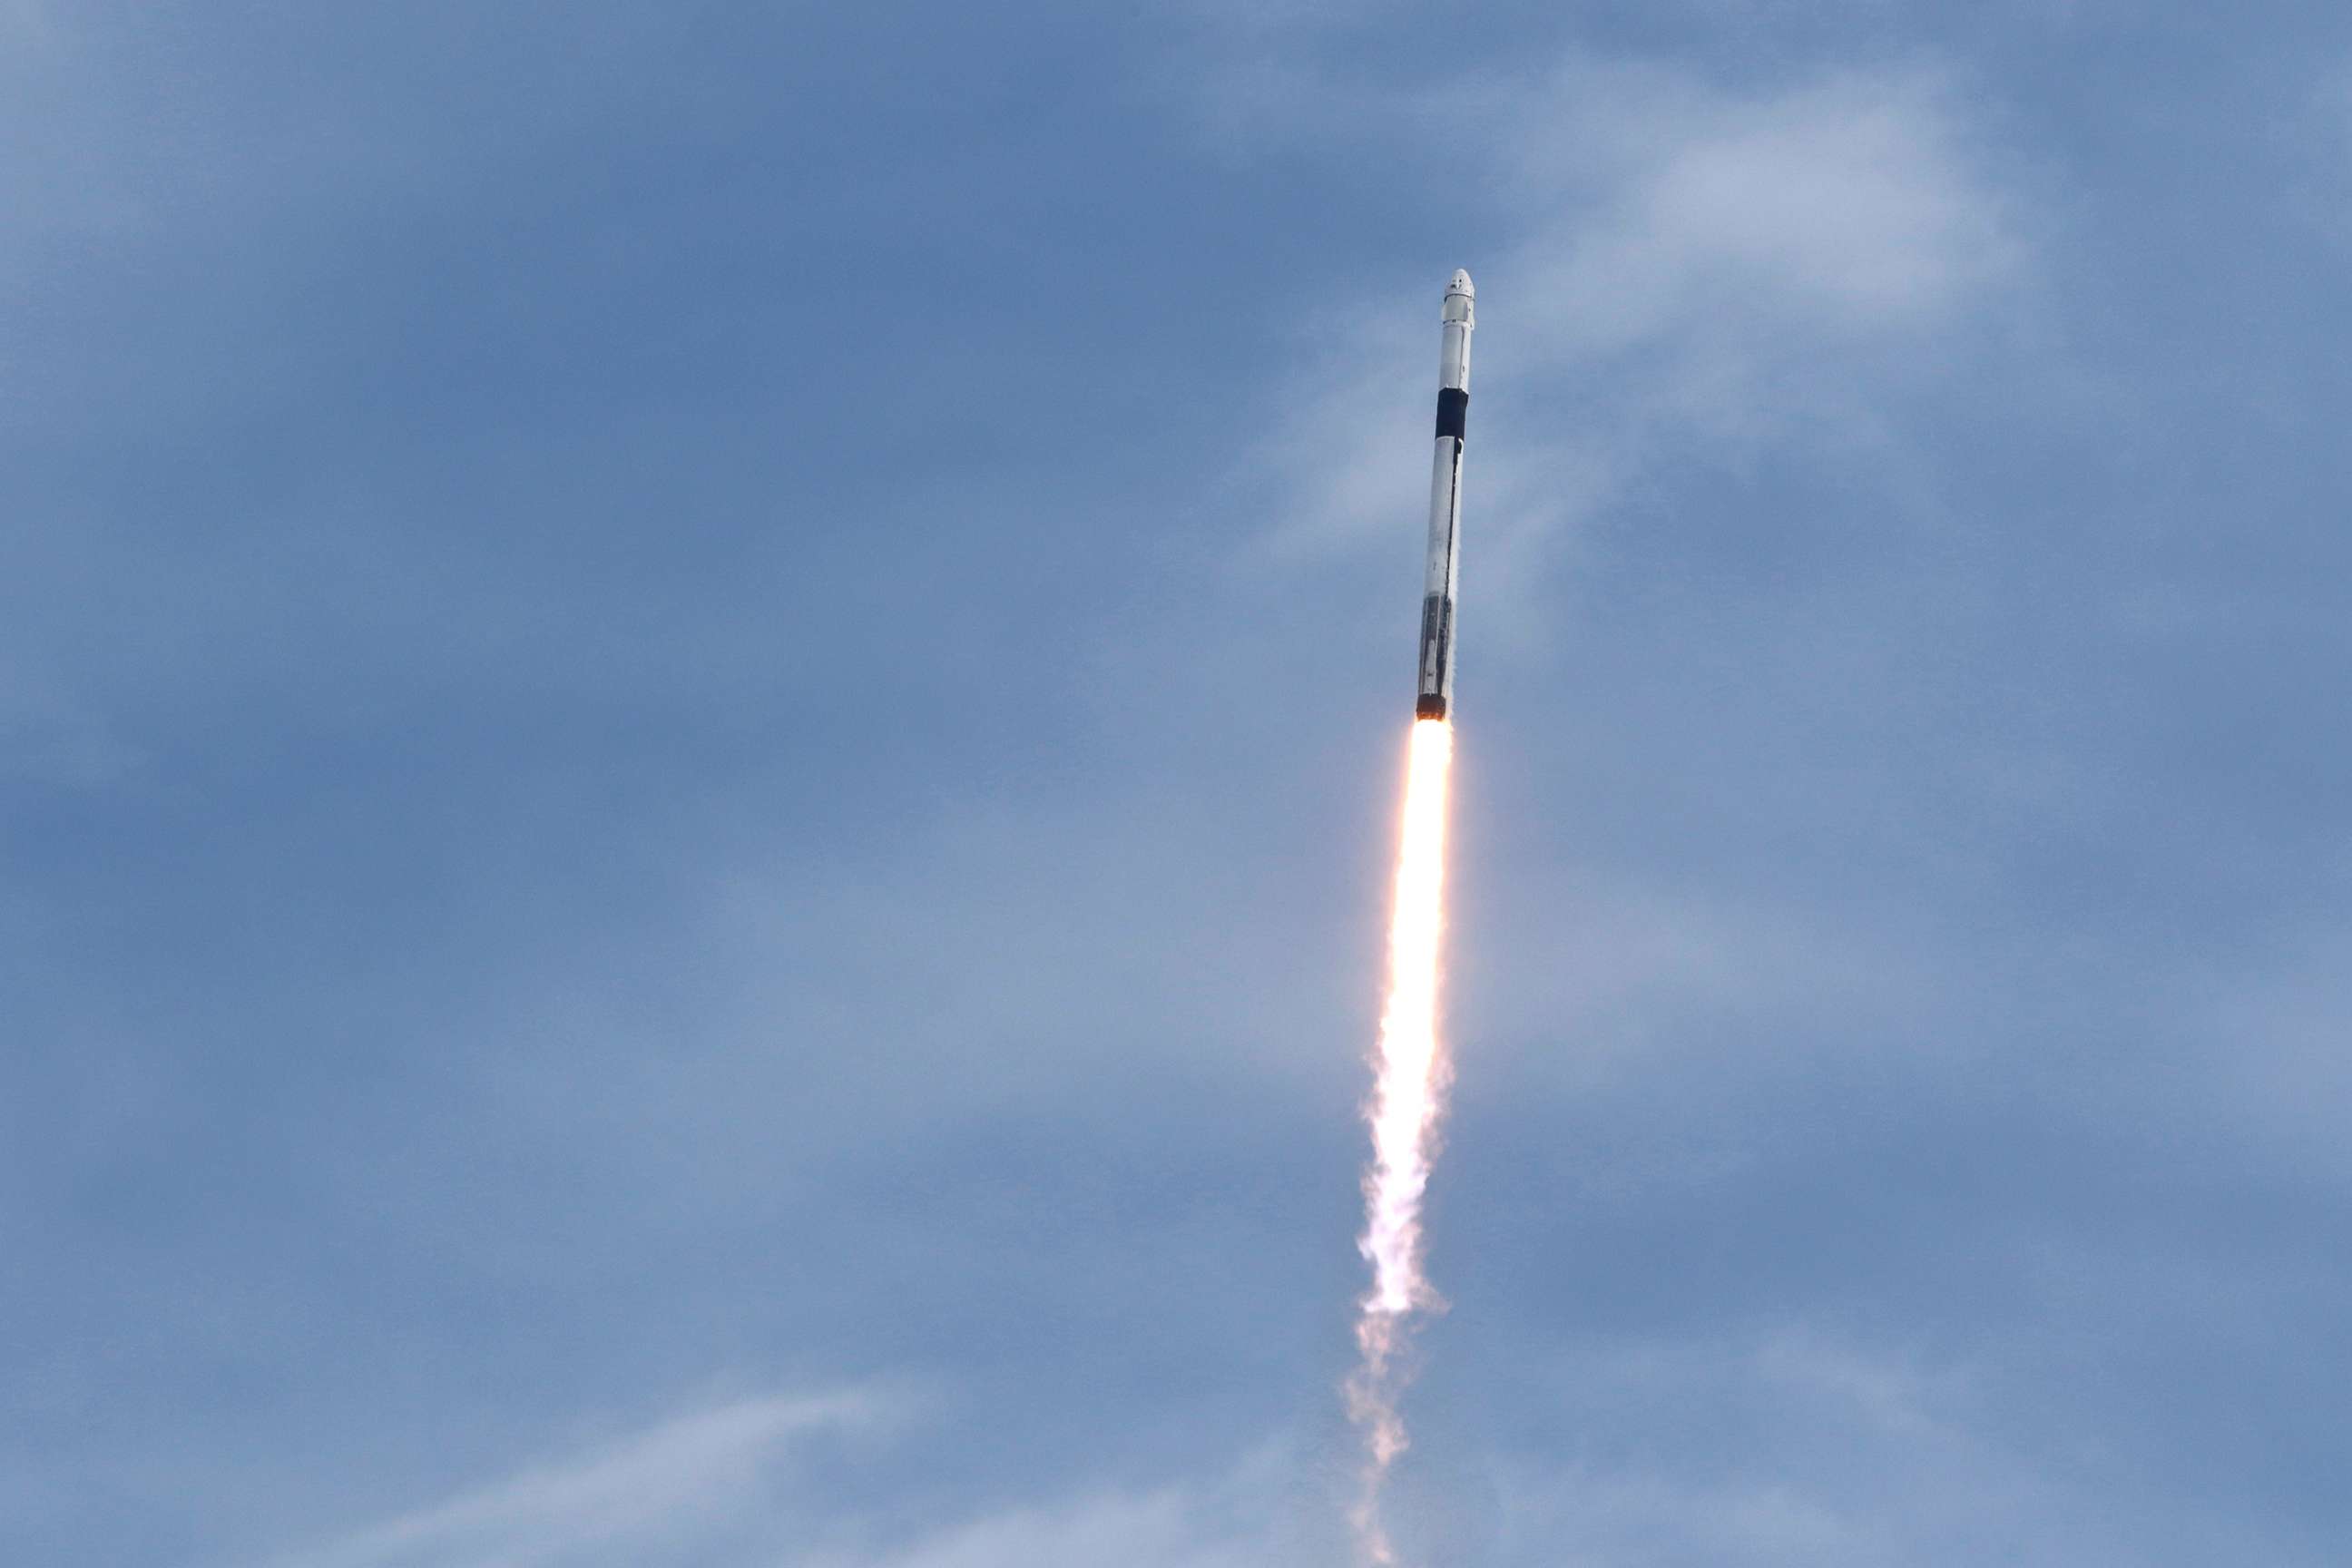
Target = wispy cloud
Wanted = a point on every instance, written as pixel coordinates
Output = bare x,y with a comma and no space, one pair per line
715,1488
1858,202
1235,1519
1684,272
1828,1453
660,1495
2264,1042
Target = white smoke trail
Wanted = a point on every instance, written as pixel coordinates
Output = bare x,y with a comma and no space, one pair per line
1407,1099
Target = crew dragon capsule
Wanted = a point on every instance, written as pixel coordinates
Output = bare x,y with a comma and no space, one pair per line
1436,695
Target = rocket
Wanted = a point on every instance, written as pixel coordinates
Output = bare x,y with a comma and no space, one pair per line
1436,693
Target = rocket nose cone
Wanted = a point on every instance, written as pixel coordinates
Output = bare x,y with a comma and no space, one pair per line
1461,285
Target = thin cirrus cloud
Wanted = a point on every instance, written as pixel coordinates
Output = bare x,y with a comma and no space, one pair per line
1881,1455
725,1486
658,1495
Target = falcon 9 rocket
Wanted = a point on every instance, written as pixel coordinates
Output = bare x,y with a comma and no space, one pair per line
1437,692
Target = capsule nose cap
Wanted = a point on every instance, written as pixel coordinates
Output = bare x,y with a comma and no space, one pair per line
1461,285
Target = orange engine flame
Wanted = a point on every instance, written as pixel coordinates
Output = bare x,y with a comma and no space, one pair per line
1407,1099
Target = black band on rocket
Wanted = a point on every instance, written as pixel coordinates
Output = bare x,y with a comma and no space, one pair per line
1453,412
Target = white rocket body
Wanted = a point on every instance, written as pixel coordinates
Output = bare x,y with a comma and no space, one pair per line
1437,692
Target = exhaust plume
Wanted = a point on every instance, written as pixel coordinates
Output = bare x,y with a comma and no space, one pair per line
1407,1097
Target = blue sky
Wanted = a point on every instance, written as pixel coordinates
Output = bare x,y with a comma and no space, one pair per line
700,708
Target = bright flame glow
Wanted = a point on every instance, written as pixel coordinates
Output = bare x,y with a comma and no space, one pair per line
1407,1099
